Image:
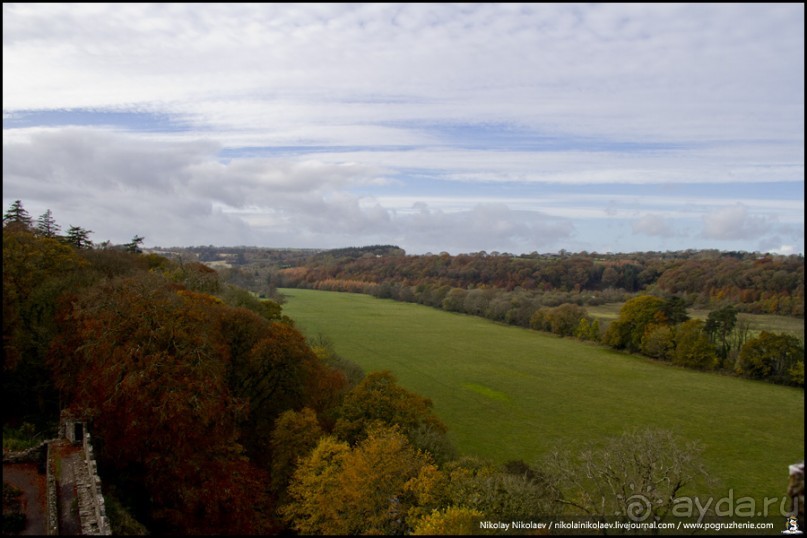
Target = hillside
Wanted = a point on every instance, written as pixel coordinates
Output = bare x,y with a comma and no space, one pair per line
508,393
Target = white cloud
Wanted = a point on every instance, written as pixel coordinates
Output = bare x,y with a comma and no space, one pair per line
529,97
653,225
485,226
785,250
735,223
671,72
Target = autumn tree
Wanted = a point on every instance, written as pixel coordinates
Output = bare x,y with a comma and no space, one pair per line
693,348
775,357
112,262
314,484
451,521
147,360
658,341
295,435
36,271
196,276
378,399
540,319
471,485
454,300
362,490
796,373
271,368
588,329
565,319
323,348
239,297
635,315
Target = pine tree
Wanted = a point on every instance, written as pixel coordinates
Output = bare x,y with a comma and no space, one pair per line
134,245
46,226
79,237
17,216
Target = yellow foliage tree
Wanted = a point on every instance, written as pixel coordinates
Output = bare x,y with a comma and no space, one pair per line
454,520
296,433
339,490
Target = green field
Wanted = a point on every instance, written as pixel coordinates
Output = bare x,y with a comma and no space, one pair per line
511,393
756,322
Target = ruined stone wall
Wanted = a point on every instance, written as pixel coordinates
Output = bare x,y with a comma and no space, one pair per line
91,506
52,501
35,454
40,455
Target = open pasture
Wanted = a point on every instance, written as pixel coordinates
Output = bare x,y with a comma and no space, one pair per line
510,393
756,322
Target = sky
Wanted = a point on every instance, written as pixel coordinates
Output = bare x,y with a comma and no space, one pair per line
510,128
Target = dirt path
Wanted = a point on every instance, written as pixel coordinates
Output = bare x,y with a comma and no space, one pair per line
68,457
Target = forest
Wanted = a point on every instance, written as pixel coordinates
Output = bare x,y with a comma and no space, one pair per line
212,413
751,282
550,293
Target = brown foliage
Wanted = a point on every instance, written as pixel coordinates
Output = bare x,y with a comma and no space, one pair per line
177,381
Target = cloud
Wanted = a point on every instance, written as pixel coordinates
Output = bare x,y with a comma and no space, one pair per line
603,70
487,226
654,225
735,223
180,191
322,124
104,176
785,250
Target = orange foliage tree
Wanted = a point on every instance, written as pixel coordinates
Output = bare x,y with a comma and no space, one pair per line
153,364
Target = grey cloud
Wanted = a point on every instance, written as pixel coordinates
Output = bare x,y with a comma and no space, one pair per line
735,223
86,158
111,182
339,214
339,219
482,227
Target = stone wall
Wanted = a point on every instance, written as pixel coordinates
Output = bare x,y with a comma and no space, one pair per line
91,505
52,502
40,455
35,454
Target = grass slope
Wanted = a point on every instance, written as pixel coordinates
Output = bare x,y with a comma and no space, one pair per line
511,393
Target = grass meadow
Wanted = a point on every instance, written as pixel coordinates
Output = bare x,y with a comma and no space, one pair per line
756,322
511,393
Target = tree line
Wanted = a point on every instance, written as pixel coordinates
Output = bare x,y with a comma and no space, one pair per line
652,322
661,329
212,414
751,282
